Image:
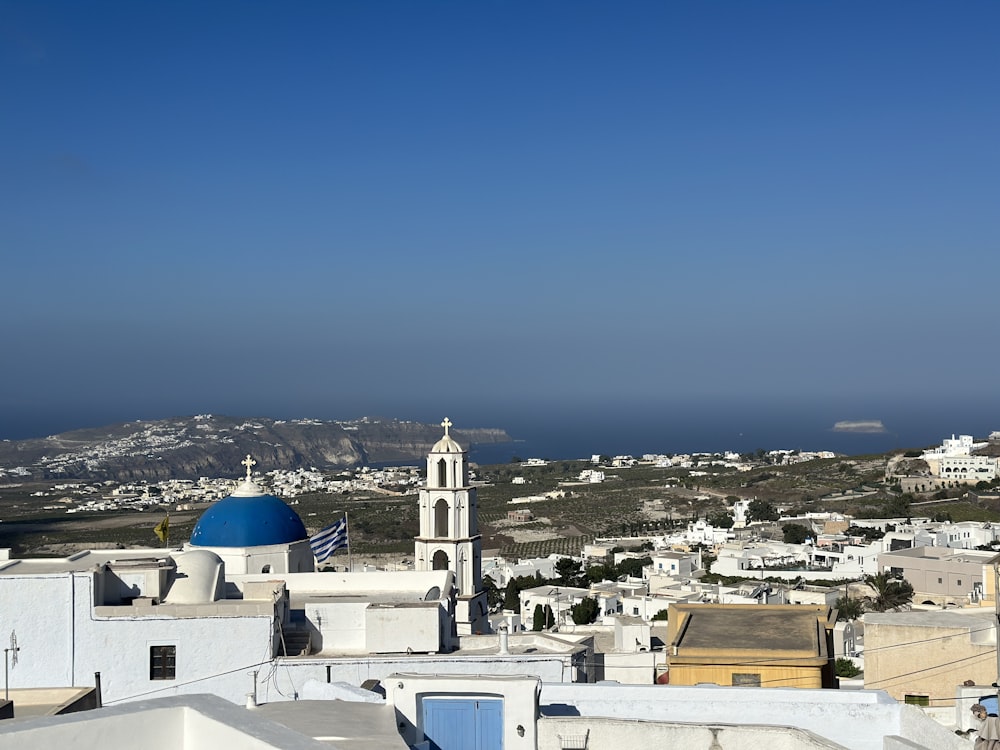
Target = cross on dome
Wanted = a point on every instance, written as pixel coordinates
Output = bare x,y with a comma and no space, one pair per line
446,424
249,463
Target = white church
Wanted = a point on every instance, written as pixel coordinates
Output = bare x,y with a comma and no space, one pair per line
449,531
241,610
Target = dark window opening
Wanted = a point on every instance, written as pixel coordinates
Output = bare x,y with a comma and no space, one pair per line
162,662
441,518
440,560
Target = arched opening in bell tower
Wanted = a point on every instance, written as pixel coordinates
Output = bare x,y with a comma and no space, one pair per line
440,560
441,518
442,473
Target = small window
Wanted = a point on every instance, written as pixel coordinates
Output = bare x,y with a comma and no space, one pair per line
917,700
939,580
958,582
162,662
743,679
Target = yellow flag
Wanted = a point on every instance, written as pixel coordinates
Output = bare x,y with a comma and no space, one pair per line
162,529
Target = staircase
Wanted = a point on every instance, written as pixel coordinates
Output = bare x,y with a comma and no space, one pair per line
297,640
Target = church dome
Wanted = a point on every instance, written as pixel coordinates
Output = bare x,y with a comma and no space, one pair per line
446,445
248,518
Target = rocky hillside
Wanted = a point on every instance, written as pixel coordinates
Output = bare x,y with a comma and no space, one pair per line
208,445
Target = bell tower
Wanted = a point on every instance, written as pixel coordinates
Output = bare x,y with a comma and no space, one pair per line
449,531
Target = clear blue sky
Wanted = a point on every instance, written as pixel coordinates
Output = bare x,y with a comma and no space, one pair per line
418,208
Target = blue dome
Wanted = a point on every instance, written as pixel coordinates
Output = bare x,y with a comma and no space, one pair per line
243,520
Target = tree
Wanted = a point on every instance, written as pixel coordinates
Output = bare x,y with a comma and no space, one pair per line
870,533
598,573
550,619
512,596
586,611
898,506
631,567
660,616
494,597
568,570
849,609
795,533
762,510
538,618
890,593
721,520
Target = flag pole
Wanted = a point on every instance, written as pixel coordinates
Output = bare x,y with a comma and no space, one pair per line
347,530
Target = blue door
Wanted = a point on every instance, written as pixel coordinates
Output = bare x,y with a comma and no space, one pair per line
463,723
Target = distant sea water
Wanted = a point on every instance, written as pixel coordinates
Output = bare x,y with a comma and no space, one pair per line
560,431
685,430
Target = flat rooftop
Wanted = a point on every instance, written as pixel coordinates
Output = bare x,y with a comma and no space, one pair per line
343,723
962,617
83,561
753,628
400,597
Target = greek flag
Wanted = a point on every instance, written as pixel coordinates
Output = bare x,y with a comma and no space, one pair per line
329,540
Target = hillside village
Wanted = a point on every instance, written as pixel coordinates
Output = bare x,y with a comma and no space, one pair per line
750,596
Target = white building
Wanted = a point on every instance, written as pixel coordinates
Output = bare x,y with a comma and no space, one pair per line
674,564
517,713
169,621
150,621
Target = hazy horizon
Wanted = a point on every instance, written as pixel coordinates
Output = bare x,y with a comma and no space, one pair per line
501,210
567,431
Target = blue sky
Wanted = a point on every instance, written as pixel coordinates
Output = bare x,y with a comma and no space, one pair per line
341,208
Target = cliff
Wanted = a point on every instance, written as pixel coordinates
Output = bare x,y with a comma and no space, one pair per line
209,445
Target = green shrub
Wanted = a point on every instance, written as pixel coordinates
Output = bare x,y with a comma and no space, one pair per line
846,668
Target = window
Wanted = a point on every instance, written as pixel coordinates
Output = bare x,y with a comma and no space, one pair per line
958,582
746,680
917,700
939,580
162,662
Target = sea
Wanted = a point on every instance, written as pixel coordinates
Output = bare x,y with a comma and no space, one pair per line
554,431
744,429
